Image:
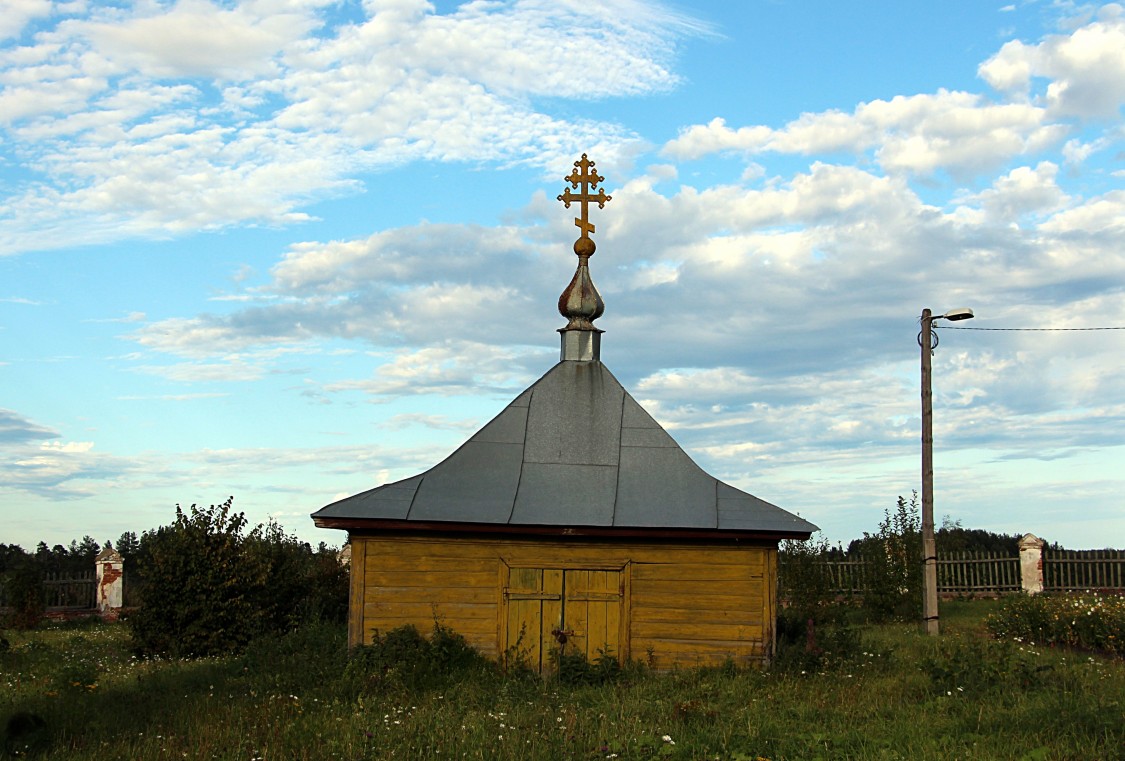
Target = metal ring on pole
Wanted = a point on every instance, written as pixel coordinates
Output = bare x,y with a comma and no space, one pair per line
934,340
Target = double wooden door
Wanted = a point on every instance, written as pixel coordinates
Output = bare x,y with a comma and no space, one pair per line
575,611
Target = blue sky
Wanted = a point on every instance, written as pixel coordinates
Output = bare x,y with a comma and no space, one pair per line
289,250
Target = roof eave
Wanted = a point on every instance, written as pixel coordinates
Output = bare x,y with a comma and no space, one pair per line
379,525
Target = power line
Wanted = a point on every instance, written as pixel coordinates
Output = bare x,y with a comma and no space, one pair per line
1038,330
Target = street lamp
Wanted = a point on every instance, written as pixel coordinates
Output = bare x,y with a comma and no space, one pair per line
929,551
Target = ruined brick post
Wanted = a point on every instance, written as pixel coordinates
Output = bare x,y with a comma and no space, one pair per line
110,580
1031,564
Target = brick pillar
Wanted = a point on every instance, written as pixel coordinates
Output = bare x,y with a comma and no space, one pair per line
110,579
1031,564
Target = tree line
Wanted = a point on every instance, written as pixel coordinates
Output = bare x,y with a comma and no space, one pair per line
204,584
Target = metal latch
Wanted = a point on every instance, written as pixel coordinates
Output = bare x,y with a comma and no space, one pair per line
562,634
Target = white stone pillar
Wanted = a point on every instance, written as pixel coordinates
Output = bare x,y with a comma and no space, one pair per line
111,582
1031,564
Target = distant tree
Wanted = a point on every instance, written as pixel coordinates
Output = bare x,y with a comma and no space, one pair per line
12,555
953,537
88,549
127,544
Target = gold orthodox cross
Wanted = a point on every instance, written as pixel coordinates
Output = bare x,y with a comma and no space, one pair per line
586,175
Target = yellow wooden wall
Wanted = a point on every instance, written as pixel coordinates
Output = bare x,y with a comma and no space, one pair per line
684,604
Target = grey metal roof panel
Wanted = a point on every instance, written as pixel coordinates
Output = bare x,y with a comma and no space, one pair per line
647,437
633,415
741,511
661,487
389,502
574,449
476,484
575,416
509,427
560,494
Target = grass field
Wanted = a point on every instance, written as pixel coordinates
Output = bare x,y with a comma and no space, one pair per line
75,692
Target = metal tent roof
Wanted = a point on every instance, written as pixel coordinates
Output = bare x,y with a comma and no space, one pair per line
574,450
574,453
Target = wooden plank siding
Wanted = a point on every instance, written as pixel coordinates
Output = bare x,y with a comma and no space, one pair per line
672,604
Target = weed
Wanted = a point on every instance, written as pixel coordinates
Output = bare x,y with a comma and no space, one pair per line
298,696
1089,621
404,660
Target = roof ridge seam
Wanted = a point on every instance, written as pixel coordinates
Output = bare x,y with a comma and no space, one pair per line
414,496
523,448
717,482
620,429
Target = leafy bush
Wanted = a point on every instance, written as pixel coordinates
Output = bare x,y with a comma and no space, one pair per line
201,593
894,563
209,587
957,667
1091,621
572,668
806,587
404,660
23,587
300,586
814,645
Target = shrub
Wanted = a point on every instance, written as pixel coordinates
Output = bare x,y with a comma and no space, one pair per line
404,660
805,586
572,668
201,593
974,667
1090,621
24,590
209,587
812,630
894,563
287,562
809,645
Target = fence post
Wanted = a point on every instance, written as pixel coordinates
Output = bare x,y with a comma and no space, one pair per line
1031,564
110,582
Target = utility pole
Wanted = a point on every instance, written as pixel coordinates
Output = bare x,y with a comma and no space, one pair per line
929,547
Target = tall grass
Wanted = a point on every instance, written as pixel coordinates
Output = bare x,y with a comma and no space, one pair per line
900,696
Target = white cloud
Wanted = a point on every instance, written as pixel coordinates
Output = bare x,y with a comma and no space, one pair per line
450,369
279,112
15,428
954,131
1085,69
434,422
1021,192
16,14
60,469
960,132
196,38
201,372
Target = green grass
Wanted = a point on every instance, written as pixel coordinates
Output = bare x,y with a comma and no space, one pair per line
903,696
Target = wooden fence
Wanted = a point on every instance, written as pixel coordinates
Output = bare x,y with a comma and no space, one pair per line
70,590
1078,570
969,573
991,573
62,590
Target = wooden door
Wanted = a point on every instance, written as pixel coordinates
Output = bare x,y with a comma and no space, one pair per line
576,610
